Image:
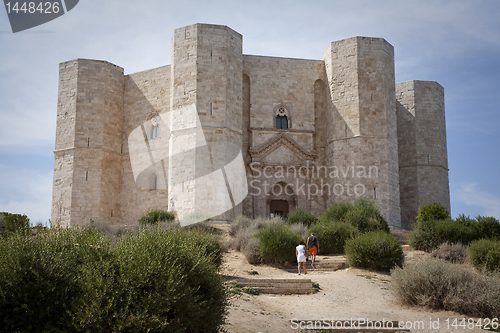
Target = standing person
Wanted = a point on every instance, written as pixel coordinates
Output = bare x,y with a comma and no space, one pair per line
300,253
313,247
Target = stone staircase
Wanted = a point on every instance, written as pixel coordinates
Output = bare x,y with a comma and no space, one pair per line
323,264
276,286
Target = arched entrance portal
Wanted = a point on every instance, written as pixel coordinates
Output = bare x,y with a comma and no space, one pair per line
279,208
281,199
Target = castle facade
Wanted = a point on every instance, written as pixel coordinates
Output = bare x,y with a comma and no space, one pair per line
219,133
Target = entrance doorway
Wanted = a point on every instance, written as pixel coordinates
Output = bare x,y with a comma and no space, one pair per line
279,208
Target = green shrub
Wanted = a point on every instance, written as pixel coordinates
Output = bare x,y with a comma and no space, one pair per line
12,223
453,232
375,250
156,216
166,281
432,211
244,228
277,244
441,285
337,211
455,253
423,236
332,236
485,254
484,227
429,234
300,215
41,279
72,280
487,227
362,214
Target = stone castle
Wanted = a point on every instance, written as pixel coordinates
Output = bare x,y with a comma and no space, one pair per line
308,133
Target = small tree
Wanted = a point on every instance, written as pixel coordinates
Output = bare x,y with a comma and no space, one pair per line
362,214
300,215
432,211
12,223
277,244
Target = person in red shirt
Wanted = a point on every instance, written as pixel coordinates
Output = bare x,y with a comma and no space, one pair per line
313,247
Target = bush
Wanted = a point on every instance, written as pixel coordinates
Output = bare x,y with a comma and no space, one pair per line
108,229
277,244
428,235
156,216
453,232
432,211
72,280
300,215
485,254
12,223
375,250
300,229
362,214
455,253
423,237
244,228
41,279
332,236
166,281
483,227
487,227
441,285
336,212
251,251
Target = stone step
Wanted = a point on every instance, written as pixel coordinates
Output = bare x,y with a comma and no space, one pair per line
323,265
277,286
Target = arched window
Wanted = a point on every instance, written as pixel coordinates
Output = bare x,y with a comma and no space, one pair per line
281,122
155,127
282,118
155,131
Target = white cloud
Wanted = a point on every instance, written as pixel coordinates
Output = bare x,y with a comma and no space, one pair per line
26,191
471,195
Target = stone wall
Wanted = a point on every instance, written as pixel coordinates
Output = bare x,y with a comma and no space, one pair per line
206,118
361,133
423,158
147,94
88,143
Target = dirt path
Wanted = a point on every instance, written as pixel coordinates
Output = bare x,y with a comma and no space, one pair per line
345,294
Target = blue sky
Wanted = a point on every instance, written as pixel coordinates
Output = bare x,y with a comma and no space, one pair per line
456,43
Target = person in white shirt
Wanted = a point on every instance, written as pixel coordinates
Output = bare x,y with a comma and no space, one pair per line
300,253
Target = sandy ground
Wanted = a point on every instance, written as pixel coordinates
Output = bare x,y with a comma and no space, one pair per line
345,294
